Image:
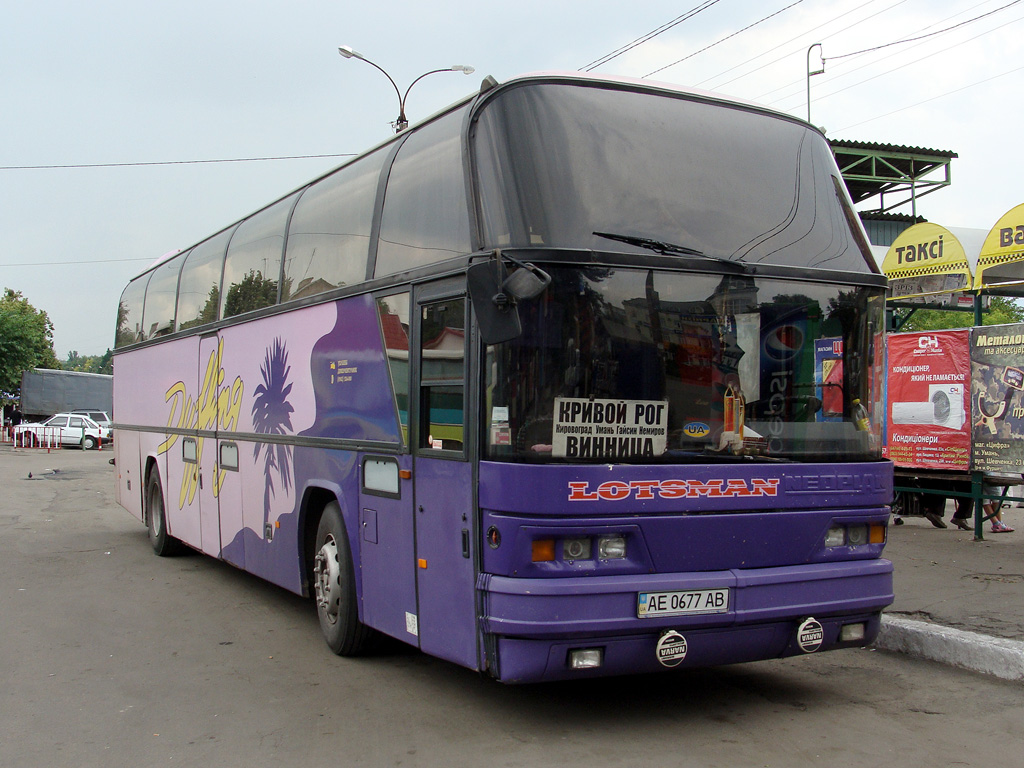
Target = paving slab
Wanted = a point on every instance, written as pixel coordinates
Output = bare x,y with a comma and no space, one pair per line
958,601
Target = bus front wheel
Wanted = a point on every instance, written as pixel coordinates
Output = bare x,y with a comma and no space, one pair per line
334,586
163,543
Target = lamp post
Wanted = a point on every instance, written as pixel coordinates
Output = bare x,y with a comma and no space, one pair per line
402,122
815,72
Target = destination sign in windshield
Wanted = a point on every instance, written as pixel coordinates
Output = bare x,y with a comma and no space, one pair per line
607,429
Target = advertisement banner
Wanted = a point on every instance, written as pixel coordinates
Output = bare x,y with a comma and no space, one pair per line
997,399
928,400
828,377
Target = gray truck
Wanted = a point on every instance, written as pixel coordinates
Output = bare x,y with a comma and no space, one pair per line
45,391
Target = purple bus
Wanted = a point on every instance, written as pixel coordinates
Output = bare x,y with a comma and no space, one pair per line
532,387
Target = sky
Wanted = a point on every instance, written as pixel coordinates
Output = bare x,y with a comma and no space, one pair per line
142,91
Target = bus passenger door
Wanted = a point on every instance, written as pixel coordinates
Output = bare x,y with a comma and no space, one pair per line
443,478
206,448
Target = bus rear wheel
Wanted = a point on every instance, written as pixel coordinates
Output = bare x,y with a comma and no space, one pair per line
163,543
334,587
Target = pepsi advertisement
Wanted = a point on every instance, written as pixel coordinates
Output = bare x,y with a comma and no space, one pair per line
787,357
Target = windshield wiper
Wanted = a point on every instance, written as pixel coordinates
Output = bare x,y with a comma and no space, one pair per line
659,246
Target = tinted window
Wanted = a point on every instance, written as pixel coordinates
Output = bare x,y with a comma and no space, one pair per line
426,216
394,324
253,264
559,163
129,313
329,235
199,289
161,296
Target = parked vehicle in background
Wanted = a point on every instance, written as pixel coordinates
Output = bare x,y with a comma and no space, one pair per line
62,429
45,391
102,418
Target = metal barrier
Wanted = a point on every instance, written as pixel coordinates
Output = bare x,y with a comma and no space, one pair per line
38,437
906,505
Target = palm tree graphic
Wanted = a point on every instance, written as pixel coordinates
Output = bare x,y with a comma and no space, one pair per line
271,415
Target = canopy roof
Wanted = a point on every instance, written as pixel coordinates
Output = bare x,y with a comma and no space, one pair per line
929,260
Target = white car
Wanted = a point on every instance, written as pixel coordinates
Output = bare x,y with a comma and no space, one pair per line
60,430
101,418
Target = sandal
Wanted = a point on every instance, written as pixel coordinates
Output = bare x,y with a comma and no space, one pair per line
1001,528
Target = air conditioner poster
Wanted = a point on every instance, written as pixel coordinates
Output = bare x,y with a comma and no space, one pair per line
928,407
997,398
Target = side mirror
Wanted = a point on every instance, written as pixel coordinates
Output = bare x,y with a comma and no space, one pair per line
494,295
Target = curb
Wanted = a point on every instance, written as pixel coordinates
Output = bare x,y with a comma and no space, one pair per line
995,656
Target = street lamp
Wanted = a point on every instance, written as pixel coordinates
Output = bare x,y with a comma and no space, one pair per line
810,74
402,123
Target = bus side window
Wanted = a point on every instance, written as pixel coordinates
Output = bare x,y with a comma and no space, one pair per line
129,313
442,372
426,211
161,296
199,286
329,234
393,312
252,267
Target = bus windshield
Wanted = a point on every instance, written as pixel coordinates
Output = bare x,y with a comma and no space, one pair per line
641,365
559,163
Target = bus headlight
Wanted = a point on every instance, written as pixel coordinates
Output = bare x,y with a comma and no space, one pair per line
856,535
576,549
836,536
611,547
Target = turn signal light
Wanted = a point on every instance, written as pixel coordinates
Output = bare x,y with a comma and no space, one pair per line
543,550
877,533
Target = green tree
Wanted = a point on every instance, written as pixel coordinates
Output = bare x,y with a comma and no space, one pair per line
252,292
90,363
1002,310
26,340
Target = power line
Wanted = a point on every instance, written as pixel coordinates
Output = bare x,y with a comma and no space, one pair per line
794,83
70,263
650,35
933,98
791,40
723,39
922,37
889,71
170,162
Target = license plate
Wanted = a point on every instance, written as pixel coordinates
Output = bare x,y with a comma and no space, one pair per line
650,604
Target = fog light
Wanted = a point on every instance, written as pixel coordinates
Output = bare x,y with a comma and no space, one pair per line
856,535
836,536
852,633
586,658
611,547
576,549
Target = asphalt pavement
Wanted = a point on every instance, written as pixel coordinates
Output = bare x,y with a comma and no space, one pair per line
958,601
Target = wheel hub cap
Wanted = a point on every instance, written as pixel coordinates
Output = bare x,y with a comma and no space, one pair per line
328,579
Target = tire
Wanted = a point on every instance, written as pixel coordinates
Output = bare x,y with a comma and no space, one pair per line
88,443
163,543
334,587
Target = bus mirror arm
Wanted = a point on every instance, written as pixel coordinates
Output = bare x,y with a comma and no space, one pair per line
527,282
494,295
